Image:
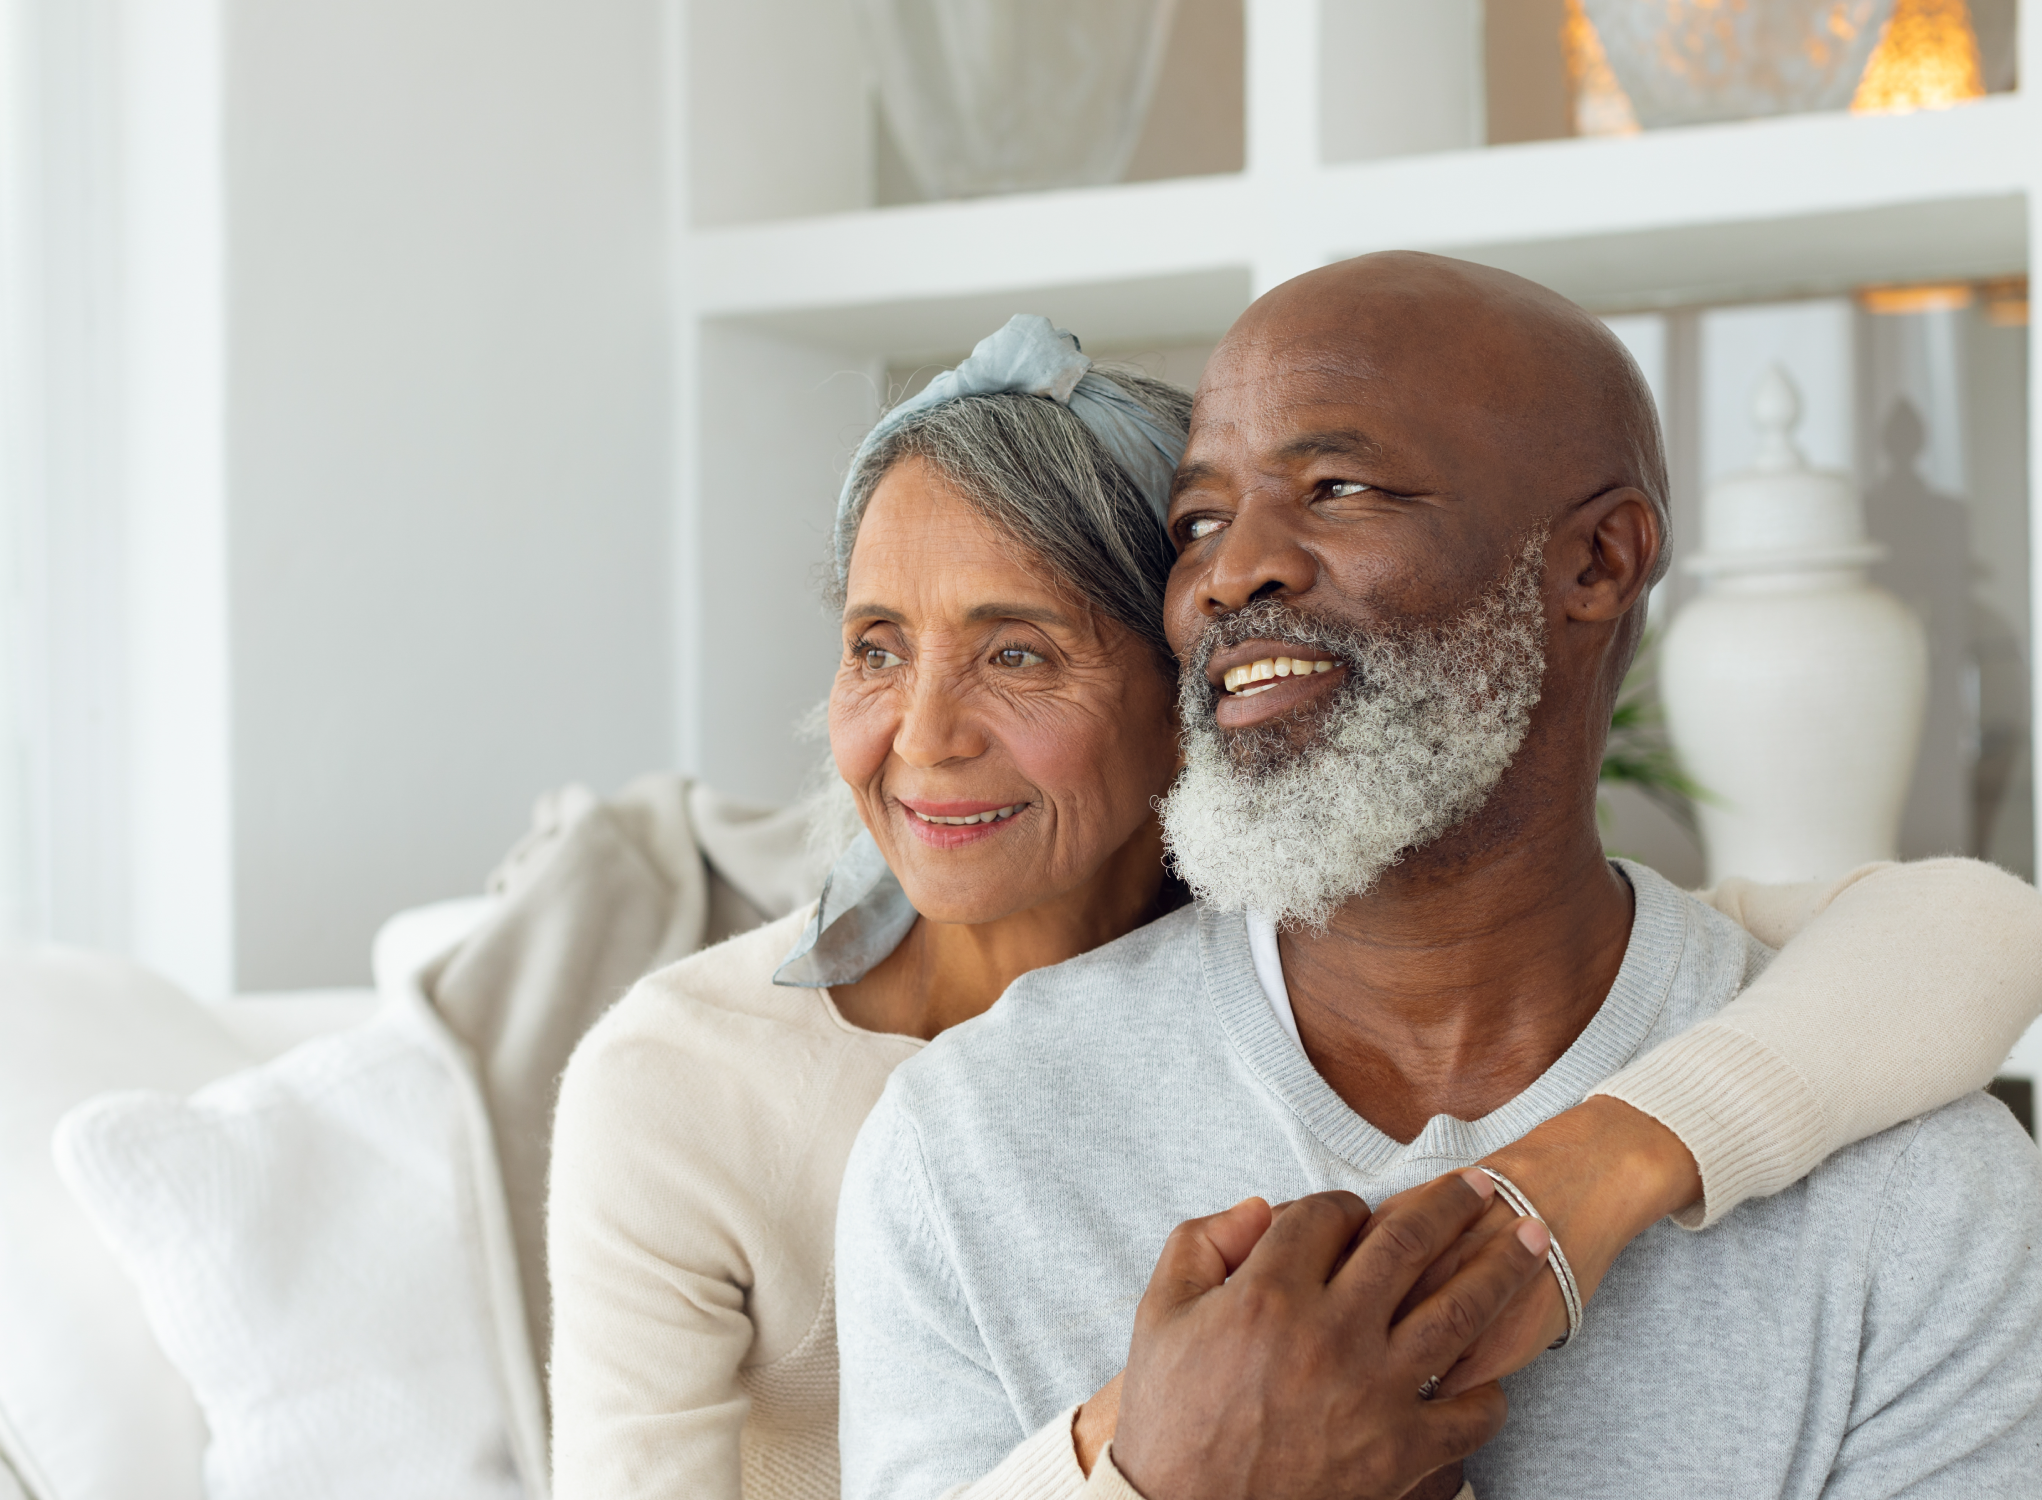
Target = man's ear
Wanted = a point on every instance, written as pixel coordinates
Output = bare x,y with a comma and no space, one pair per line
1617,541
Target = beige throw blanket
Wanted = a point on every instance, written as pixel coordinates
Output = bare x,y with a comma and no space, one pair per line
596,895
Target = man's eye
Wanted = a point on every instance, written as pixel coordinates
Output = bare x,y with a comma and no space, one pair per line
1016,656
1340,488
1204,527
878,658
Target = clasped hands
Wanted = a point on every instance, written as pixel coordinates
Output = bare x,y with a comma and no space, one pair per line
1280,1353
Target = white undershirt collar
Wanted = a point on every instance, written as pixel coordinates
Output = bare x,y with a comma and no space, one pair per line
1269,969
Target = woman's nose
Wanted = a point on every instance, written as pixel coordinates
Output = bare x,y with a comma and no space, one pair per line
937,724
1259,554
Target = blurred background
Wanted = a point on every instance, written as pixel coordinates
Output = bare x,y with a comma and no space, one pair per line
409,408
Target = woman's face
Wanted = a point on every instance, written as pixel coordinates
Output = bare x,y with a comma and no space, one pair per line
972,687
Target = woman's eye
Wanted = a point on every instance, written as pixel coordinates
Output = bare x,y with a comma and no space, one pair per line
1203,527
1016,656
1340,488
878,658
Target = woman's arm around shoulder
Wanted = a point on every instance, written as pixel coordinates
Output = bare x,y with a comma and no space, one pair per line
1898,988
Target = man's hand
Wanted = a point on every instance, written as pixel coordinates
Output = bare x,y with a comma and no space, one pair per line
1268,1358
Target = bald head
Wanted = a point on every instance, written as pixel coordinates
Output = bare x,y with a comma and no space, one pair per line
1523,372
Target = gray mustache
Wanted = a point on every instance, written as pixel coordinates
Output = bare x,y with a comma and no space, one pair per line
1267,619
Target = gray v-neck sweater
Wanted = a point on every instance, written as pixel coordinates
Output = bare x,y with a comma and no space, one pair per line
1874,1330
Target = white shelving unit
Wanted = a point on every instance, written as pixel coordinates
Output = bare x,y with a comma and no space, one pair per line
794,299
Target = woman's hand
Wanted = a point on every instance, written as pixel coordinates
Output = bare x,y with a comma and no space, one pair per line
1601,1174
1092,1428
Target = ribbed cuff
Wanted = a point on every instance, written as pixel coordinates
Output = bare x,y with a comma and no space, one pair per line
1041,1467
1107,1482
1751,1120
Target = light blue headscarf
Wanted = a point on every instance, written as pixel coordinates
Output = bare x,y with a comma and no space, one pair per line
863,913
1033,357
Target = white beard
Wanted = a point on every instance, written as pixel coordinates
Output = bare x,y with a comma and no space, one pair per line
1412,744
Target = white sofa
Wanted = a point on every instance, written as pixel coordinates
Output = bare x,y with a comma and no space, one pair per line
90,1407
335,1191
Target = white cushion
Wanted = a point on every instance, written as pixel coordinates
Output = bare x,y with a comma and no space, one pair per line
319,1243
89,1407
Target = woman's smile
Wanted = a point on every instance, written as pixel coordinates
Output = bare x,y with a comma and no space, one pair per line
951,825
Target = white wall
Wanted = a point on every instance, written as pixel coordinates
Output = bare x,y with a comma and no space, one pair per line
761,502
448,471
1396,79
333,423
803,147
115,758
60,446
174,404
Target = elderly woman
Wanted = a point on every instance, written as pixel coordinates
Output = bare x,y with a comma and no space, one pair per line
1002,715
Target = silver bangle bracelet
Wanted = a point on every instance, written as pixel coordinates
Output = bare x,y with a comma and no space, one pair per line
1570,1290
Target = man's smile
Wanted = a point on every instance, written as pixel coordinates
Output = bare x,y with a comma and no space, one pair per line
1263,679
1259,676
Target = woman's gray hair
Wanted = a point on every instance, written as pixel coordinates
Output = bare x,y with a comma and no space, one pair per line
1034,470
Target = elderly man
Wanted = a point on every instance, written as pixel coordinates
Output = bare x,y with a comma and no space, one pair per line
1408,948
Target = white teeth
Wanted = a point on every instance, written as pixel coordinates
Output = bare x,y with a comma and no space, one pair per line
1249,692
1237,679
997,815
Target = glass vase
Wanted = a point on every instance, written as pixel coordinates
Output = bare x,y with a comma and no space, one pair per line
1003,96
1693,62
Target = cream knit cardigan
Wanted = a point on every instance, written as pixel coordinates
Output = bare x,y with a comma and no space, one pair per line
704,1124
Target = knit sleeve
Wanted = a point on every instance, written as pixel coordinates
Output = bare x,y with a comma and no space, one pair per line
649,1273
1042,1467
1897,989
1946,1400
922,1407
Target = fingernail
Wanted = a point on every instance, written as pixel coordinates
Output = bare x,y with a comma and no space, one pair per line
1484,1188
1533,1236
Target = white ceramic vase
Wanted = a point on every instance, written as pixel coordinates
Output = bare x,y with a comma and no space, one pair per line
1001,96
1793,688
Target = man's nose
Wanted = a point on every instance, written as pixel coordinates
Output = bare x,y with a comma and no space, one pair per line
1259,554
936,723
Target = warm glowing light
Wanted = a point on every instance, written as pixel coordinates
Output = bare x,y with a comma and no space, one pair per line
1601,107
1928,59
2006,301
1892,301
